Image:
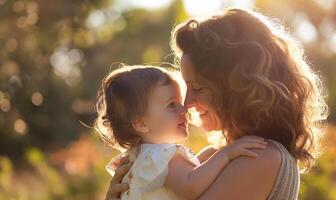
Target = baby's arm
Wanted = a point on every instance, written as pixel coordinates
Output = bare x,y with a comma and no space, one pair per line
190,181
206,153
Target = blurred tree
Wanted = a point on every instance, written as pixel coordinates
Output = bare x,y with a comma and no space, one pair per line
54,54
40,71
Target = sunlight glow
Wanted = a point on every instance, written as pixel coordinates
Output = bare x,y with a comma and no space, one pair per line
96,19
195,8
202,8
332,43
146,4
325,4
66,64
304,29
20,127
199,8
37,98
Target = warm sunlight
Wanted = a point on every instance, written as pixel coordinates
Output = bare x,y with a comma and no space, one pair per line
203,8
195,8
81,93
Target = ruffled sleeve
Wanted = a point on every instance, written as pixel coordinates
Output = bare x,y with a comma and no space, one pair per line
112,164
154,160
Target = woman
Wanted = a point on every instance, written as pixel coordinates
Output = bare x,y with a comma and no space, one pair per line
246,76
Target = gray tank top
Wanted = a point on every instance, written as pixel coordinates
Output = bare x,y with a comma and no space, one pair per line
287,184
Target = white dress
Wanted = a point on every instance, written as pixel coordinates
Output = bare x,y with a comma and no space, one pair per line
147,175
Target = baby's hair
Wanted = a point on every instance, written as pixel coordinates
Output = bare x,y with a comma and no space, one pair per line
122,97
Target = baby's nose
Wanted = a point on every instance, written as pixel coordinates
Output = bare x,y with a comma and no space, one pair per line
184,109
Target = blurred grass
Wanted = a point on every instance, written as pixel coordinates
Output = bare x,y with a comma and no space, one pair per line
77,171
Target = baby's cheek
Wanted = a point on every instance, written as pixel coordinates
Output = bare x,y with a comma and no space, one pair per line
168,121
173,118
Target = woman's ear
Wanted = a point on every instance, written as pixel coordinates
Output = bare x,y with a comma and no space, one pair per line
140,125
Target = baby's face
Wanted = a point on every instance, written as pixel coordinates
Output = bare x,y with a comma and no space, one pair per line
166,116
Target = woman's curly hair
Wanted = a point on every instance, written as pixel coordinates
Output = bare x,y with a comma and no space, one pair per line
261,82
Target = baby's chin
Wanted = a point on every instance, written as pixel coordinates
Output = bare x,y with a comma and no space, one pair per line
177,138
182,134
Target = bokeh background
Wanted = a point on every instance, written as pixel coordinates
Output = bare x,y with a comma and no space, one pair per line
53,55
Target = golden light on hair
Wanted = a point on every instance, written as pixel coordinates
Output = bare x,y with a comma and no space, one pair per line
252,65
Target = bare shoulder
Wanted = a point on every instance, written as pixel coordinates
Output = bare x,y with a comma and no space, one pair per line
269,158
254,176
264,168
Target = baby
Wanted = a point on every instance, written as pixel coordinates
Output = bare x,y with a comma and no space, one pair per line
140,109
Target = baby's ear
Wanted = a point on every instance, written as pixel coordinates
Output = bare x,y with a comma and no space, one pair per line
140,125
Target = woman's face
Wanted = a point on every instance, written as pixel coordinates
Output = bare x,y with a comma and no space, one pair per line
199,96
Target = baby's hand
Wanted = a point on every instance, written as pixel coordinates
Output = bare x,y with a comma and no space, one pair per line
242,146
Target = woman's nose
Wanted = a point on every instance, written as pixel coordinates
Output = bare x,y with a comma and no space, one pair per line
189,101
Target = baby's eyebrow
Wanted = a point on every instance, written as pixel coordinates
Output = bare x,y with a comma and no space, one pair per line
171,98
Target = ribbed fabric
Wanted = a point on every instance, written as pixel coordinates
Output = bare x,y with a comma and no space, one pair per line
287,183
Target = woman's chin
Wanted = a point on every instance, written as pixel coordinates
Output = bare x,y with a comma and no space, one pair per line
208,124
207,128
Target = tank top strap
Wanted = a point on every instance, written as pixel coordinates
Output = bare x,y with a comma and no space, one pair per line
287,182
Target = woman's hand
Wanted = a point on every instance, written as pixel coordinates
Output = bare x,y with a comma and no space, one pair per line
116,187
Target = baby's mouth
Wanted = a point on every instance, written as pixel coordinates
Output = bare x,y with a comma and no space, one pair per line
183,124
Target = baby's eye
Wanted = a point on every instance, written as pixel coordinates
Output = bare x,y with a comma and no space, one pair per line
173,105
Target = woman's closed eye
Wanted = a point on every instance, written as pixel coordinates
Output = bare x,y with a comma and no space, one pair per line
196,88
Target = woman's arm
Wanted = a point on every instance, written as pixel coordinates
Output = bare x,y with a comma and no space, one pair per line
191,181
246,178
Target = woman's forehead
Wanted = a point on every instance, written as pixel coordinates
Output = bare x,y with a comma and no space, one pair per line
187,69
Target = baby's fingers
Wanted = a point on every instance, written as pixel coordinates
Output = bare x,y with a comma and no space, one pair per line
257,145
252,137
253,140
249,153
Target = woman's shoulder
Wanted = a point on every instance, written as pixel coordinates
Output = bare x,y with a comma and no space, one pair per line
268,159
270,155
256,176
